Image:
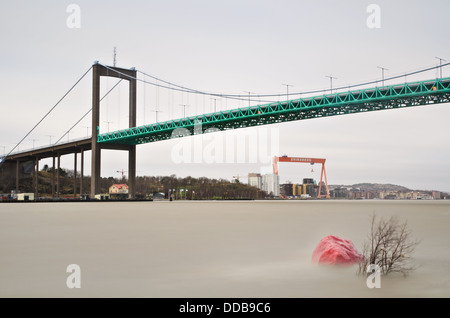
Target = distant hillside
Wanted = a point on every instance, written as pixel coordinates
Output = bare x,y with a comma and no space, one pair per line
374,187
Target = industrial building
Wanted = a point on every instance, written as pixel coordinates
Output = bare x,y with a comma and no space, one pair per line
286,190
340,193
307,189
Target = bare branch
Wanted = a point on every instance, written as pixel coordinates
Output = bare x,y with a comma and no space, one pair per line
389,246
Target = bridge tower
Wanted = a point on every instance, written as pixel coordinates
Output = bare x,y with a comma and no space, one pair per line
98,71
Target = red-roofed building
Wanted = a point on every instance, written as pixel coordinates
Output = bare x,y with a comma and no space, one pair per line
118,189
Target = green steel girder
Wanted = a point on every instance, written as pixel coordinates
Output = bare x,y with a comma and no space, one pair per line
358,101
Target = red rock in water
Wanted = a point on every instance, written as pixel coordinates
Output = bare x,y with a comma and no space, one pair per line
335,250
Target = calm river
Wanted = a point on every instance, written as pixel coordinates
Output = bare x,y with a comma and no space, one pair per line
209,249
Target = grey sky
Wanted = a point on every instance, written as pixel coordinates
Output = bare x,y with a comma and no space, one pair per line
232,47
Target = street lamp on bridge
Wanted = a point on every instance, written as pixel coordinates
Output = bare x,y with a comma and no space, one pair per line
108,122
184,109
248,97
87,130
440,65
382,73
33,140
215,100
156,113
331,82
287,90
50,139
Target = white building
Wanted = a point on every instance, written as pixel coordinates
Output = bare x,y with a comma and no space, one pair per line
254,180
118,188
25,197
271,184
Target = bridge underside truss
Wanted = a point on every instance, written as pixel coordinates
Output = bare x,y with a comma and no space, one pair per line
359,101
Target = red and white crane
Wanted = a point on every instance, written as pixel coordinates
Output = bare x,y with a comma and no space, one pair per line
311,161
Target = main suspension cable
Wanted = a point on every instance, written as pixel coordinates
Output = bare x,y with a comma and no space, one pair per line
186,89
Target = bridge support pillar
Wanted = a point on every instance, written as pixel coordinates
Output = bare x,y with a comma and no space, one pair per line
53,177
75,175
57,176
17,175
95,174
95,165
81,171
132,172
36,180
99,70
132,151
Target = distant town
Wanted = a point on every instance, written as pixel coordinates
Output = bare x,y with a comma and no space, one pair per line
309,189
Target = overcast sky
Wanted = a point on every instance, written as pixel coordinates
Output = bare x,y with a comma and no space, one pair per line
232,47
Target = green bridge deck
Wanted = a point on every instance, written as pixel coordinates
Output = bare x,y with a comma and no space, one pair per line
357,101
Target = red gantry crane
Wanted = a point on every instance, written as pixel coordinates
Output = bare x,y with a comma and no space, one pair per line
311,161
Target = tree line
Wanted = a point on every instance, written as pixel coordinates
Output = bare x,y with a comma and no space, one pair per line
202,188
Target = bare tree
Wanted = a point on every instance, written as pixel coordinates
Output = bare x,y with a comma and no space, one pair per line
389,246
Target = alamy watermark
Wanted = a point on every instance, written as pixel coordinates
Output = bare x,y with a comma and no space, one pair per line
242,146
374,279
374,19
74,19
74,279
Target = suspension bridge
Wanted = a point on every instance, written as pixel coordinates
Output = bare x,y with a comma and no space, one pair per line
313,104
